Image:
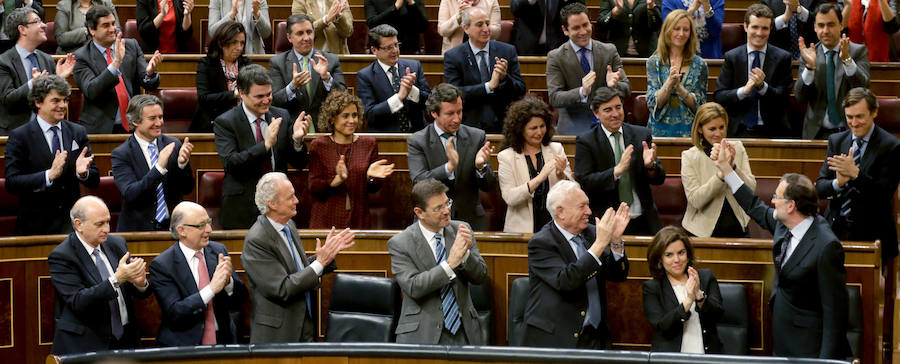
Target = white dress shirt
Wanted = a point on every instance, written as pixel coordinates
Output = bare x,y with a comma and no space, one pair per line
315,265
432,243
394,101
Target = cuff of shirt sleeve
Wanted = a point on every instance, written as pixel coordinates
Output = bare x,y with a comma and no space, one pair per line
161,170
765,87
450,273
488,88
584,99
413,94
740,93
317,267
734,181
206,294
850,69
450,175
779,22
115,71
80,178
47,181
595,258
289,91
807,76
617,256
394,103
229,288
834,185
329,83
803,15
144,288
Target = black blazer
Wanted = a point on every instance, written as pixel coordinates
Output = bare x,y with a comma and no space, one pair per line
772,105
782,37
374,88
81,303
410,21
530,20
558,293
871,193
484,111
242,157
137,183
594,164
146,10
809,296
213,96
15,109
45,210
638,22
282,70
183,311
667,315
98,85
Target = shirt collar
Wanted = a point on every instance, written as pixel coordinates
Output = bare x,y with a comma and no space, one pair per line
300,56
475,50
566,234
429,235
188,252
87,247
23,53
143,143
577,48
798,231
250,116
387,68
45,126
278,227
867,136
609,133
441,132
100,48
763,50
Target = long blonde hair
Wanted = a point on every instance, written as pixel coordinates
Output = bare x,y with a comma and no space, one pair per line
664,42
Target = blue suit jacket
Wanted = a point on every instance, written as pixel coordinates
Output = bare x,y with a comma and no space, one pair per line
482,110
137,182
374,88
183,311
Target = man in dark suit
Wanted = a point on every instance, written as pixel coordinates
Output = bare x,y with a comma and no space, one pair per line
22,63
835,56
860,176
756,81
408,17
109,70
487,71
537,25
568,261
151,170
617,163
579,68
302,77
434,260
795,19
393,90
809,296
95,279
252,139
455,154
46,160
7,41
195,284
283,280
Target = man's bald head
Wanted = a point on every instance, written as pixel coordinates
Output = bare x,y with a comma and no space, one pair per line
191,225
90,219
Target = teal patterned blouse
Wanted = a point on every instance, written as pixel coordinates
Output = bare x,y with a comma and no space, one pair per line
666,120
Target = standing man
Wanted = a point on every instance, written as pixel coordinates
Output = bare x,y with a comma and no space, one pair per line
457,155
95,279
795,19
486,70
860,176
393,90
809,298
151,170
827,71
568,262
434,260
755,81
6,9
616,162
578,69
46,160
252,139
538,25
408,17
195,284
109,70
282,279
303,76
22,63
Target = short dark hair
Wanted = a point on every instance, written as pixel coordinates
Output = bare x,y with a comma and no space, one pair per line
518,115
759,11
224,35
604,95
825,8
16,18
381,31
426,189
41,87
569,10
93,15
297,19
660,242
857,94
443,92
135,112
336,101
250,75
800,190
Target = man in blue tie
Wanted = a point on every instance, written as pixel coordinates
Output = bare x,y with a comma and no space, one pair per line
434,260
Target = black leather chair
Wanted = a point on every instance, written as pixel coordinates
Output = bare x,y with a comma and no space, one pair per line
518,297
734,326
481,298
373,319
854,320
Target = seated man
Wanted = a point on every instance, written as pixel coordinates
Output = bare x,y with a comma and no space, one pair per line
151,170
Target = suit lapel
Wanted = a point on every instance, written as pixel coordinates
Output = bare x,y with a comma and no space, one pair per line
382,81
671,300
38,142
803,248
304,261
564,248
871,148
212,260
110,256
86,261
183,273
437,148
137,155
462,143
21,75
283,253
741,66
98,63
67,137
425,256
315,79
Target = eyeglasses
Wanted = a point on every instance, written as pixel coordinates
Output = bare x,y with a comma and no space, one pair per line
391,47
443,206
35,21
775,197
201,225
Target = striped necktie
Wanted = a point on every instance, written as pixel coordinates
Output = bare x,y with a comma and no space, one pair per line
449,306
162,212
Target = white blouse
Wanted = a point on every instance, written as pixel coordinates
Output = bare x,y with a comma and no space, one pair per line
692,338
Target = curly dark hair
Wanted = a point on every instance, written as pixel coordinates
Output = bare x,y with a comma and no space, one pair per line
332,107
518,115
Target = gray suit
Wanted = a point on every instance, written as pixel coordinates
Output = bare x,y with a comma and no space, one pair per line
15,109
421,279
815,95
564,76
282,72
279,290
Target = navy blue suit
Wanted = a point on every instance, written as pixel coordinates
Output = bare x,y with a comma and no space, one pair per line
374,88
137,182
482,110
772,105
183,311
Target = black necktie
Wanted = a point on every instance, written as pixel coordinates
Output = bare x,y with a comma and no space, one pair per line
781,250
751,119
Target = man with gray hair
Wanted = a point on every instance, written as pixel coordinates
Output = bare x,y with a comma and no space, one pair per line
195,284
282,278
568,261
23,62
151,170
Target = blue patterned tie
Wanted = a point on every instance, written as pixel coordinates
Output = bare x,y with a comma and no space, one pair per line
834,118
115,316
585,65
483,66
161,210
296,258
751,119
34,62
594,313
54,144
449,306
795,37
846,205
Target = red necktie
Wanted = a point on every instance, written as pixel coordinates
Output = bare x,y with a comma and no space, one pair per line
121,93
209,326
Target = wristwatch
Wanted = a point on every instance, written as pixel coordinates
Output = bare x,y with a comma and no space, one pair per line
702,297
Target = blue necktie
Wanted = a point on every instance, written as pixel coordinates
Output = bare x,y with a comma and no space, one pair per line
161,210
483,66
34,62
54,144
449,306
115,316
795,36
751,119
594,313
834,118
585,66
296,257
846,205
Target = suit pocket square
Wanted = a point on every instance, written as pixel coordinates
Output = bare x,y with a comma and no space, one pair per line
74,145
